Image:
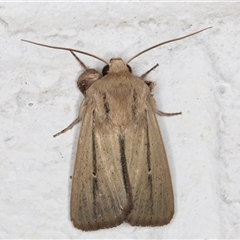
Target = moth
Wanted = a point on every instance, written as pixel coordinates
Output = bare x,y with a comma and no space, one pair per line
121,171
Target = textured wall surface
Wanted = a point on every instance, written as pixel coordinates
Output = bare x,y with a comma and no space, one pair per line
199,76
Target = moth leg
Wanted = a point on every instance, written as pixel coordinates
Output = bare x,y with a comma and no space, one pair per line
150,84
81,63
167,114
146,73
69,127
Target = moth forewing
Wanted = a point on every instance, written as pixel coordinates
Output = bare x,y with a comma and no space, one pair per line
101,192
152,187
98,198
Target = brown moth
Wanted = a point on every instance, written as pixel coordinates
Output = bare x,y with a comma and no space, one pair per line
121,171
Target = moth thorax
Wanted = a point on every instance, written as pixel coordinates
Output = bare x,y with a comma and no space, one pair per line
117,65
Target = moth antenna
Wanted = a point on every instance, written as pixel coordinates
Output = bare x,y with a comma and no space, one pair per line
172,40
68,49
81,63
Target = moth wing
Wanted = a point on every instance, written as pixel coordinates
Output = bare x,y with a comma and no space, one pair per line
99,198
153,202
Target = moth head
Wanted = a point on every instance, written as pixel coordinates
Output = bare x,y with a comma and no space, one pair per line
116,65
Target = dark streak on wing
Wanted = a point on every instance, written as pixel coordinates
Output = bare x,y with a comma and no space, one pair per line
134,107
125,170
106,105
149,163
95,184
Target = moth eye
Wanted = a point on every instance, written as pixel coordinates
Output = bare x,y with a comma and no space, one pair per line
105,70
129,68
